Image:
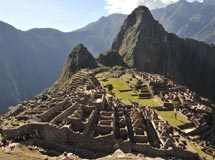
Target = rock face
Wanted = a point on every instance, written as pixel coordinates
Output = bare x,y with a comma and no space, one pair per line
144,44
111,58
79,58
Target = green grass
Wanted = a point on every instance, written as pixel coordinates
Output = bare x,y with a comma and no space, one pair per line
127,77
176,103
20,155
8,122
170,117
199,151
119,84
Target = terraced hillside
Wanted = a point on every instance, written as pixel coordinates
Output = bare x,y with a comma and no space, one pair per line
90,122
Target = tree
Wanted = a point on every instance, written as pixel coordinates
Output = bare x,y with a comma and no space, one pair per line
138,85
109,87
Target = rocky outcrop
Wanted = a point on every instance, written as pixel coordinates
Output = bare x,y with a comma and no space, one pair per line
79,58
111,58
144,44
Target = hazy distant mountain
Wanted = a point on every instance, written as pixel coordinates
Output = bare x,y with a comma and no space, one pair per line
31,61
189,20
27,64
98,36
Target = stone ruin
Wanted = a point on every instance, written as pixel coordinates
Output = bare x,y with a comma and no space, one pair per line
189,105
91,123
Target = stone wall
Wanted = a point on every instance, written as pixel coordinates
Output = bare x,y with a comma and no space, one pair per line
201,129
57,108
53,134
18,109
174,152
185,126
23,130
65,113
90,121
65,139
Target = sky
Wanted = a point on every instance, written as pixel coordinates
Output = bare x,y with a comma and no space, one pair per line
67,15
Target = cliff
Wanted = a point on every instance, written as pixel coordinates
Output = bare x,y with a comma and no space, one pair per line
145,45
111,58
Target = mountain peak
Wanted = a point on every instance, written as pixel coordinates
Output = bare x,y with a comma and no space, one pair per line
79,49
139,25
145,45
142,11
79,58
140,16
183,1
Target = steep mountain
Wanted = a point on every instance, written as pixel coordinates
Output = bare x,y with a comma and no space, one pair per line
189,19
144,44
79,58
111,58
31,61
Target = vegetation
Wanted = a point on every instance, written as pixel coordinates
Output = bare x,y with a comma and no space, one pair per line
21,153
109,87
170,117
199,151
11,122
78,59
176,103
120,84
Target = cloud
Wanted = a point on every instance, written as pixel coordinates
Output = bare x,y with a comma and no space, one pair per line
127,6
120,6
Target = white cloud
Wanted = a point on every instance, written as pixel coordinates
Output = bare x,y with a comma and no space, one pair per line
120,6
127,6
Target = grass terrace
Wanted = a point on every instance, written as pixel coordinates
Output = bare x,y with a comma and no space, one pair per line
170,117
120,84
197,148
